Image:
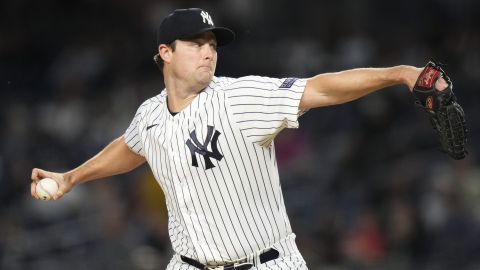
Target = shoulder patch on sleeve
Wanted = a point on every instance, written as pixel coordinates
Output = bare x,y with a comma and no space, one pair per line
288,82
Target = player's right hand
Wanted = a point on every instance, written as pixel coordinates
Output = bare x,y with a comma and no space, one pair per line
63,185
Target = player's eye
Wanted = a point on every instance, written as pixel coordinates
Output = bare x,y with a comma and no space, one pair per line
213,45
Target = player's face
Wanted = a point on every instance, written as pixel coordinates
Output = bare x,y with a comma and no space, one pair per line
195,60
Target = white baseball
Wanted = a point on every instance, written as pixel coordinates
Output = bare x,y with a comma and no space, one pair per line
46,188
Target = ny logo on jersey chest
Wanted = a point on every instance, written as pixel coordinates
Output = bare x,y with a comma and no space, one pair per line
202,148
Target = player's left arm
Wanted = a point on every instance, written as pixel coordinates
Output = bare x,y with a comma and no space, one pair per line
340,87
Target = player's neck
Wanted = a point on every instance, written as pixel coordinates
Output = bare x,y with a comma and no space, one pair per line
176,104
179,98
180,95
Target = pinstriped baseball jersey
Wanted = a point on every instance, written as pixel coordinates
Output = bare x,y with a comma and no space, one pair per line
215,161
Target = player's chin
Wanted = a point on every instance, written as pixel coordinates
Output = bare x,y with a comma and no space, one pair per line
205,77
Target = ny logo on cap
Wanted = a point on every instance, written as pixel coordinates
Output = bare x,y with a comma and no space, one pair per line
206,18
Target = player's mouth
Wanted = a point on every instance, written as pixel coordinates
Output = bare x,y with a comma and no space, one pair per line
205,67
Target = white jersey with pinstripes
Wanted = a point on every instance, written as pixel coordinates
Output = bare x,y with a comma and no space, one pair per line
215,161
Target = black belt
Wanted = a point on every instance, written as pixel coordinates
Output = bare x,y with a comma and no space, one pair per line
266,256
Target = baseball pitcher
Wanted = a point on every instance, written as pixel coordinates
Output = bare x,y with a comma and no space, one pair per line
209,142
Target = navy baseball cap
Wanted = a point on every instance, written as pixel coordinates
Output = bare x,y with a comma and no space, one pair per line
187,23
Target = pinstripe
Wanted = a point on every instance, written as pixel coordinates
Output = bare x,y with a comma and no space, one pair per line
261,104
212,194
135,145
173,228
259,120
129,139
233,185
260,112
154,119
284,263
194,206
290,247
256,96
206,208
267,192
256,135
251,121
228,192
202,211
256,128
203,191
201,205
275,199
251,79
238,176
241,153
173,189
255,179
258,89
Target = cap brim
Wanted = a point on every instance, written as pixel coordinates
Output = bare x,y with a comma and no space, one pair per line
223,35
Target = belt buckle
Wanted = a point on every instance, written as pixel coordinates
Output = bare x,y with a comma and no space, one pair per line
238,266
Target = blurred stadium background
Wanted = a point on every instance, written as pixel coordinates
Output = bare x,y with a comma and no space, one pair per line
364,182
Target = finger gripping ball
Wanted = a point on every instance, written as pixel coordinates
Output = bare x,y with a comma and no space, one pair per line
46,188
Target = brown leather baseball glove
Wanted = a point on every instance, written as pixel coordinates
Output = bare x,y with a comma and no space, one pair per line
446,115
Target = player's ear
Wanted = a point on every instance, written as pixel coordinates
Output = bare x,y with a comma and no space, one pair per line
165,53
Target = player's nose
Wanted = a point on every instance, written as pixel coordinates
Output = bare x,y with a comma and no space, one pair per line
208,51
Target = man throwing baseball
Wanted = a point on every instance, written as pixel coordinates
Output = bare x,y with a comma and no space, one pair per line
210,144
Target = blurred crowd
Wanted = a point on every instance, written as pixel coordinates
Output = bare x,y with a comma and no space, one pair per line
365,184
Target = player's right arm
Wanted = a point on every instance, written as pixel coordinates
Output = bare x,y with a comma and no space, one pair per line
115,158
